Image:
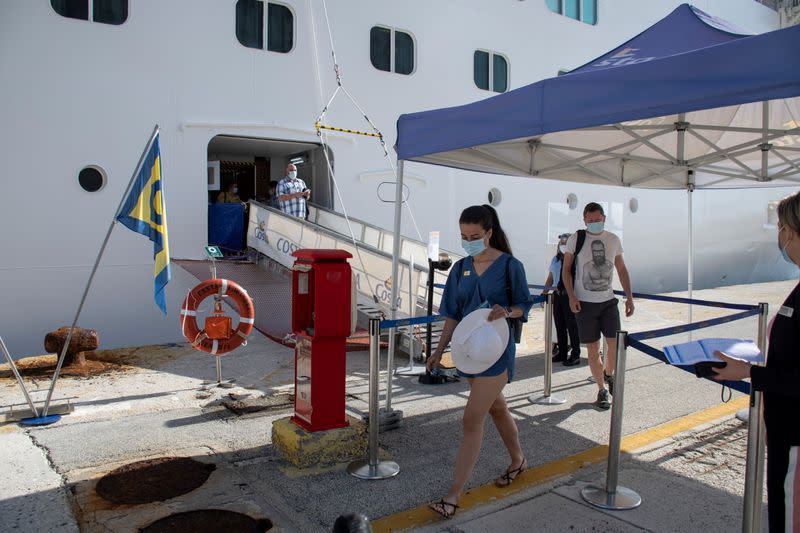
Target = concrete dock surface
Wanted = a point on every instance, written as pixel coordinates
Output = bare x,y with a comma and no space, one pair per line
683,451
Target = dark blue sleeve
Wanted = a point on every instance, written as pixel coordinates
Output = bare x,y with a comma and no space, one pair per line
520,293
449,305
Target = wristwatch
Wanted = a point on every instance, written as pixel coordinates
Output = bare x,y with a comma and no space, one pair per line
508,312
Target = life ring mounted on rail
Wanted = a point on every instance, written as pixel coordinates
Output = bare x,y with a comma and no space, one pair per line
217,338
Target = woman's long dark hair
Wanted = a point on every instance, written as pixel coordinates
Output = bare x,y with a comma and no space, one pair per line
486,216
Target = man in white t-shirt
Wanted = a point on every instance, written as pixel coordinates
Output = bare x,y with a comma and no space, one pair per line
591,297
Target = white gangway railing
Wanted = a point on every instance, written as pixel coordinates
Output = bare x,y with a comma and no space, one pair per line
276,235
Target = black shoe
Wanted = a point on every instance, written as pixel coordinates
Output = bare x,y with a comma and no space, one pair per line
609,382
559,357
572,361
602,400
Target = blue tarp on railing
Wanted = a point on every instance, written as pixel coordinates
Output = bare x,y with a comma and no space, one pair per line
226,226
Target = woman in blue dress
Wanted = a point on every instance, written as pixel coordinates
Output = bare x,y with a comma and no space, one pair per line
483,279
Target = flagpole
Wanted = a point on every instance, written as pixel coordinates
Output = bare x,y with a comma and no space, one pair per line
94,270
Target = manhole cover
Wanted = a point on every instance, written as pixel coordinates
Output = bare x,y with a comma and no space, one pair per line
208,520
153,480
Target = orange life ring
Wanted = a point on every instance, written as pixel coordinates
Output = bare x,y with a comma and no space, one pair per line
198,337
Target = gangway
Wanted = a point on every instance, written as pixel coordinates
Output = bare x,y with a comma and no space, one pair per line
274,235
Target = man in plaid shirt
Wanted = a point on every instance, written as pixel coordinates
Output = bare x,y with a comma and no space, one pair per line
292,193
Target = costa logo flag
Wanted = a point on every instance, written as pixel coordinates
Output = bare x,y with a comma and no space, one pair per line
144,211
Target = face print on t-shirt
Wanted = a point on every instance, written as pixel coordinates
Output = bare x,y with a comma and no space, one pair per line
598,272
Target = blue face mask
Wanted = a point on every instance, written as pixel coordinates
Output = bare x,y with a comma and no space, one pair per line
595,227
784,253
473,248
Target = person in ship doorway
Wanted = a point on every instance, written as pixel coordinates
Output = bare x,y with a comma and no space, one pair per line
779,381
569,352
230,195
293,193
273,195
595,253
488,285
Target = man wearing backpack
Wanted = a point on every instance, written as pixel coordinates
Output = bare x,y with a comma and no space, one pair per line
589,263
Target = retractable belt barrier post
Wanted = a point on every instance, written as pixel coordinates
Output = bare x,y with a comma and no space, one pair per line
429,326
372,468
390,369
613,496
412,370
754,469
548,398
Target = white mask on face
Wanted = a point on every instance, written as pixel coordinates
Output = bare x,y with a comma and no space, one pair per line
292,174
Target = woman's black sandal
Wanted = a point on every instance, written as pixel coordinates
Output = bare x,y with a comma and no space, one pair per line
510,475
442,510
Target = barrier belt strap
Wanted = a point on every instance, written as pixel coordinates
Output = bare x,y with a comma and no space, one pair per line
674,330
386,324
660,298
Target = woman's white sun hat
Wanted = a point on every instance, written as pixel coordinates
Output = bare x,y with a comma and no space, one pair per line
477,343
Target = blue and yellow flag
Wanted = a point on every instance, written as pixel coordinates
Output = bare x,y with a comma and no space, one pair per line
144,212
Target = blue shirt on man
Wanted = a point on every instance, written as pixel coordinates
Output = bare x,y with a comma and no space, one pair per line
555,269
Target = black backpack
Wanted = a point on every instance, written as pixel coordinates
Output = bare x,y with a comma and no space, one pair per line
578,245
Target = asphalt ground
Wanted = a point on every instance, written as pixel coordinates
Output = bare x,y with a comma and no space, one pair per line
156,406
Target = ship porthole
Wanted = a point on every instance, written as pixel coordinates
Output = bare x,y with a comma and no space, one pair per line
92,178
633,204
572,200
495,197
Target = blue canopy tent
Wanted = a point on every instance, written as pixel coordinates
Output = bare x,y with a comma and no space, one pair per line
689,103
634,108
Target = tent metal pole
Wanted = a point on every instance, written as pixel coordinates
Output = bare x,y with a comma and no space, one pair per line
398,214
690,273
765,146
680,127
